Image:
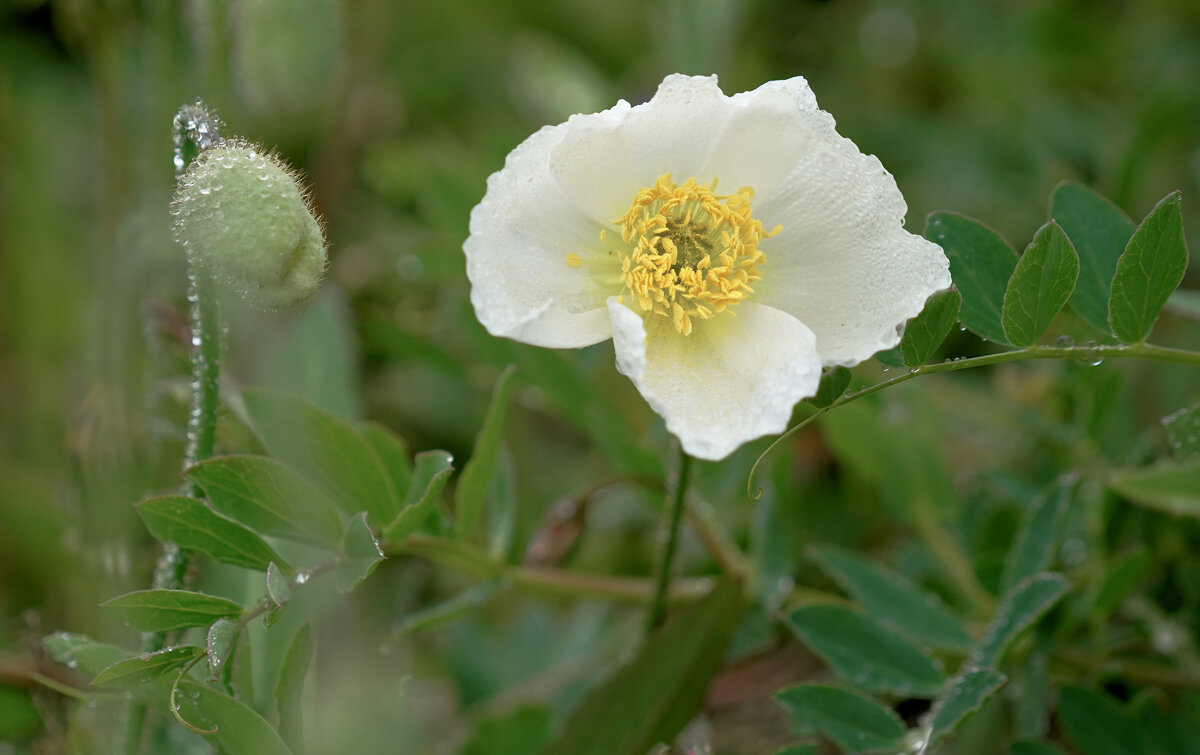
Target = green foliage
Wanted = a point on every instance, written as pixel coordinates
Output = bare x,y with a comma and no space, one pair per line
167,610
1096,724
649,699
1039,535
1040,286
134,672
1099,232
289,687
190,524
864,653
965,694
856,722
1022,606
981,264
924,333
431,471
893,601
477,473
360,554
1170,486
1150,269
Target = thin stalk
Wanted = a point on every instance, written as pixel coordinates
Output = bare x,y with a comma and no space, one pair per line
194,130
662,581
1091,353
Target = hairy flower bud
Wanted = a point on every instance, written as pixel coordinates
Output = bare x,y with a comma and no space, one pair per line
240,213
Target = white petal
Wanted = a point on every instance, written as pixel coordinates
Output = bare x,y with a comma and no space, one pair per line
843,263
604,159
522,284
733,379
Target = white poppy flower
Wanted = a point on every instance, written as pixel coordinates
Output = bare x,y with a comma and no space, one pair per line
730,247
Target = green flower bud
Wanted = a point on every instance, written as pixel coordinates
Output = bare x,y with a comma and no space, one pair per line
240,213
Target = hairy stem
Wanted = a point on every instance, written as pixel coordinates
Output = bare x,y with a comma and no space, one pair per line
662,580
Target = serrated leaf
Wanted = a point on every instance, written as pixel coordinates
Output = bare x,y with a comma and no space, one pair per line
193,526
1148,272
267,497
861,651
925,333
168,610
834,381
981,263
1037,538
1040,286
477,473
964,696
237,728
652,697
1170,486
855,722
1021,607
1122,578
1183,432
279,587
326,451
431,470
1096,724
133,672
289,687
1099,232
892,600
360,554
219,644
392,452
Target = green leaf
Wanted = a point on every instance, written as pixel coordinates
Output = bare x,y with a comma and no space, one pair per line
430,472
267,497
1170,486
392,452
1183,432
168,610
859,650
925,333
981,263
1122,578
279,587
193,526
892,600
1099,232
1034,546
289,687
964,696
1031,747
360,554
81,652
1021,607
651,698
238,729
800,749
133,672
1040,286
478,471
19,718
1148,272
326,451
1096,724
525,730
834,381
855,722
447,611
219,644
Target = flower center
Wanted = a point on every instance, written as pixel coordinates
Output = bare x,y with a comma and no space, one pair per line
692,253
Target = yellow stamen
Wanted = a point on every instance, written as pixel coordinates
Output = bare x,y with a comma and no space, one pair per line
692,253
574,260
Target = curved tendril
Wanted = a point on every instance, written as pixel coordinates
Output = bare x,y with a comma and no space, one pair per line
174,704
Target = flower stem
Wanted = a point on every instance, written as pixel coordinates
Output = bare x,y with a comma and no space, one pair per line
194,130
1093,354
662,581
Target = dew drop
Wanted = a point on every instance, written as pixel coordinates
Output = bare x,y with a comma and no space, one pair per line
1064,341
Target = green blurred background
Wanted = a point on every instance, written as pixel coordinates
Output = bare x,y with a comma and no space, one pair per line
397,112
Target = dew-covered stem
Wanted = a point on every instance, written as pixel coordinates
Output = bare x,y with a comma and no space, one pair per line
662,578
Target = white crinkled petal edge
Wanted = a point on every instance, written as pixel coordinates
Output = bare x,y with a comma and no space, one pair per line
734,379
